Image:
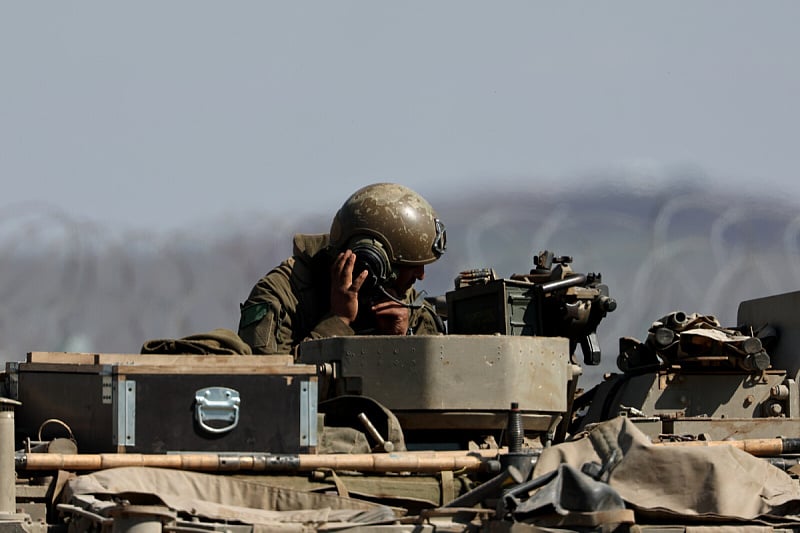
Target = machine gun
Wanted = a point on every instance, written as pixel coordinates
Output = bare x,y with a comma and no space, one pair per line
550,301
509,341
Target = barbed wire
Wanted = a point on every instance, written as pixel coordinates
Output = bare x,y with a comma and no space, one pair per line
69,284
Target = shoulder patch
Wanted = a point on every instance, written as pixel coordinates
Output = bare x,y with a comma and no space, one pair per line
253,313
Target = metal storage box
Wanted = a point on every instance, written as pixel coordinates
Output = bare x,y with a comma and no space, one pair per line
162,403
499,306
446,381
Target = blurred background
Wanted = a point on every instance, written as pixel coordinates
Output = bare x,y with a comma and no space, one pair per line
155,159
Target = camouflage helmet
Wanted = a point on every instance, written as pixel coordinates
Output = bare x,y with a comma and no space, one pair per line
397,218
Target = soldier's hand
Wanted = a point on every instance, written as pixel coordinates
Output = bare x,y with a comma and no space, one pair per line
391,317
344,289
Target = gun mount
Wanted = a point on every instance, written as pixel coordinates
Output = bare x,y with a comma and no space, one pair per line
550,301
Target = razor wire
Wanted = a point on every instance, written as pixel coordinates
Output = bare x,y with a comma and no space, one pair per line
67,284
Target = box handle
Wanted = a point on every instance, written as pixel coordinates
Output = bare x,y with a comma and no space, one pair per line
218,404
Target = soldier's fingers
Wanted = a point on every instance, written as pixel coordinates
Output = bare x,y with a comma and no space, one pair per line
338,263
340,274
386,305
349,260
359,280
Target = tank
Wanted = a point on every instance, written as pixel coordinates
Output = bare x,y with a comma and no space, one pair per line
484,428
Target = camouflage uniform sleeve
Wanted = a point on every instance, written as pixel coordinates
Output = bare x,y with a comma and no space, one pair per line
266,321
269,320
266,327
330,326
263,325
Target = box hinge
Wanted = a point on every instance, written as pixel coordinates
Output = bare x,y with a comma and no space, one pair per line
124,409
308,413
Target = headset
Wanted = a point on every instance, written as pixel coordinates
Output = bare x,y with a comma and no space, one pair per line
372,257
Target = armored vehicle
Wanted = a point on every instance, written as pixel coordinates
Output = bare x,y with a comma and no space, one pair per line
693,377
476,429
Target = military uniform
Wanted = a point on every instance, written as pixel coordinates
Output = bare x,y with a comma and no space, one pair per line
292,303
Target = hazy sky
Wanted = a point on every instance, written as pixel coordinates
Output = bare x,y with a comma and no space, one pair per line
156,114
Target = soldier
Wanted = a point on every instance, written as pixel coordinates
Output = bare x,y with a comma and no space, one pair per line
358,279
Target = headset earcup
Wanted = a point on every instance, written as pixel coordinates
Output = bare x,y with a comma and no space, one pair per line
372,257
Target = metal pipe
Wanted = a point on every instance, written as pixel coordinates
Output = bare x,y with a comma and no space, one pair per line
423,462
759,447
489,489
383,444
569,281
8,489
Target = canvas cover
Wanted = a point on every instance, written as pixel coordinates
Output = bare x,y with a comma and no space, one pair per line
690,487
715,484
224,498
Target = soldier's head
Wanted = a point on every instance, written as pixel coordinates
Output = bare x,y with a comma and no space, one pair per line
393,231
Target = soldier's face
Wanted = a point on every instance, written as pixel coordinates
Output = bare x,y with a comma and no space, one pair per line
407,276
